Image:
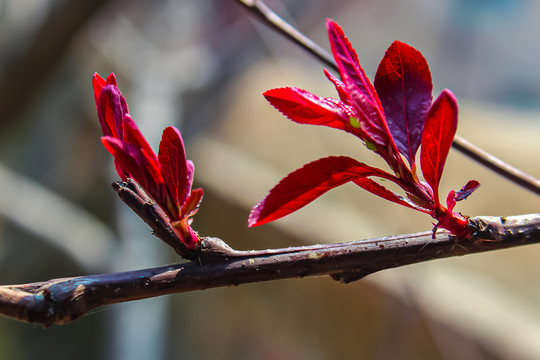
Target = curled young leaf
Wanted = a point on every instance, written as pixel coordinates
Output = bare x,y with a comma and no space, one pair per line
172,159
462,194
166,178
340,87
133,162
192,202
111,106
467,190
98,83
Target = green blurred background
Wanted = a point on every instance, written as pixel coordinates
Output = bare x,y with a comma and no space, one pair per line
202,66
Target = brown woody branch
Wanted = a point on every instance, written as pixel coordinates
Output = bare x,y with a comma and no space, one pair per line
61,301
270,18
137,200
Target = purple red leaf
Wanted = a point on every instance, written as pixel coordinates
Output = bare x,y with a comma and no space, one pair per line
439,131
361,93
462,194
393,118
139,166
173,162
340,87
132,162
304,185
379,190
403,83
166,178
304,107
144,156
111,106
467,190
192,202
98,83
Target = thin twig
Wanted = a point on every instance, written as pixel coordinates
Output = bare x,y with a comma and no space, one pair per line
61,301
267,16
491,162
270,18
134,197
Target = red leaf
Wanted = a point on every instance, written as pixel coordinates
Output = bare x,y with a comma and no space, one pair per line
340,87
439,131
129,159
133,161
123,163
304,185
379,190
99,83
361,94
190,172
186,234
305,108
111,109
467,190
456,224
148,163
149,160
172,158
403,83
192,202
134,158
462,194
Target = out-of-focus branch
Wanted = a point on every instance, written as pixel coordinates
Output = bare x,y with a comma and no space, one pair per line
61,301
495,164
57,220
23,76
270,18
267,16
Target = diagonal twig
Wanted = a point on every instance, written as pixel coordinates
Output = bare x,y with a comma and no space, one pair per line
134,197
270,18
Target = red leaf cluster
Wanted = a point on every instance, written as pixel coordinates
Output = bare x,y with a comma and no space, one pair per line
167,178
394,118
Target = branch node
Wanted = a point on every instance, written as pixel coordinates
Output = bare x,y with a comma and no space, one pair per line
212,247
134,197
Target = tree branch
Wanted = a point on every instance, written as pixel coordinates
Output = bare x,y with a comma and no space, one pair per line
29,70
61,301
497,165
270,18
134,197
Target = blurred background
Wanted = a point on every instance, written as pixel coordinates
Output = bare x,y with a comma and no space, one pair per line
202,66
